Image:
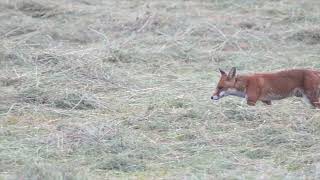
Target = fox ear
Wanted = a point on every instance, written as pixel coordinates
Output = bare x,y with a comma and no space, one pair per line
222,72
232,73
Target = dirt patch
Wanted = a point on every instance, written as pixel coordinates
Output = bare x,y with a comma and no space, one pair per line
38,10
121,164
82,35
47,59
76,101
10,81
117,55
42,171
247,25
257,153
309,36
34,95
236,46
17,31
147,22
5,6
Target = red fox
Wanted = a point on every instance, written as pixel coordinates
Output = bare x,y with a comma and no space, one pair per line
270,86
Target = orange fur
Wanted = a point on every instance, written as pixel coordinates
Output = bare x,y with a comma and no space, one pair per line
270,86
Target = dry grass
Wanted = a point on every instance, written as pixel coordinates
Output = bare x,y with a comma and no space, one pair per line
120,89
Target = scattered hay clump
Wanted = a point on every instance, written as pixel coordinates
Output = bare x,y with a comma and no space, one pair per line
37,10
309,36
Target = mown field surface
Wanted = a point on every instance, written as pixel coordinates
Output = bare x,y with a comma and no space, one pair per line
94,89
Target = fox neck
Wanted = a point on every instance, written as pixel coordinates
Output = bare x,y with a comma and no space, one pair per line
242,82
239,88
235,92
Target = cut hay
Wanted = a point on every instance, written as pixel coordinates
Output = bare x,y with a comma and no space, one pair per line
121,89
37,10
309,36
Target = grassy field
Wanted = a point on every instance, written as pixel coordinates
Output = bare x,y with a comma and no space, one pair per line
94,89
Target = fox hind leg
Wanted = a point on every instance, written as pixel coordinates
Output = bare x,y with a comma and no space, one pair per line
314,99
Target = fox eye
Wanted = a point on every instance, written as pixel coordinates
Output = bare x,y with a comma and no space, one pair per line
220,87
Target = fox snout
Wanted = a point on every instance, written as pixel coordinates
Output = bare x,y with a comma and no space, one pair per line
214,98
217,96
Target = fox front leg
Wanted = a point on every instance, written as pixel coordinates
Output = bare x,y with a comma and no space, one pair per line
251,102
267,102
252,93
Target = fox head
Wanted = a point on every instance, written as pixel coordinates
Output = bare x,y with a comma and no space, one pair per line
228,84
